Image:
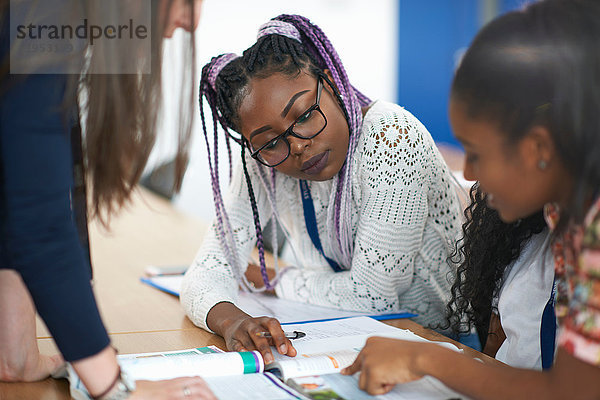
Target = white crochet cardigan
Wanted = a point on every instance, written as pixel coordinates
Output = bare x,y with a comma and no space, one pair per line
405,218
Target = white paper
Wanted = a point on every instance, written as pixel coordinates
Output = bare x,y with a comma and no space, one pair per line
350,333
252,386
427,388
316,364
259,304
344,337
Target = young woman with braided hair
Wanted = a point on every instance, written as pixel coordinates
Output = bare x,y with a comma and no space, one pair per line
360,189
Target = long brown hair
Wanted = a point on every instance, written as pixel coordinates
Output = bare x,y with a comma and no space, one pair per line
118,112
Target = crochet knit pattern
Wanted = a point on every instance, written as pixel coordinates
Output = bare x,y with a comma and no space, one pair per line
405,220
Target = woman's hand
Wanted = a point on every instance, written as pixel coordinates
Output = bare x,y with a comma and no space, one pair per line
28,366
384,362
187,388
254,276
20,359
241,331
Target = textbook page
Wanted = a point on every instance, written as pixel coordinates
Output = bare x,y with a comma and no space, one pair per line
313,364
342,387
250,387
205,361
227,374
345,334
260,304
230,375
330,346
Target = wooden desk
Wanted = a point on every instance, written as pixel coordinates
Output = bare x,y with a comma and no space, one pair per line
138,317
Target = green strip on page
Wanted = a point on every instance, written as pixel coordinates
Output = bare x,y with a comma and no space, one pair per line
250,362
206,350
183,353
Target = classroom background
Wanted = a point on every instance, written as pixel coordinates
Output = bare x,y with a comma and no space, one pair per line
408,52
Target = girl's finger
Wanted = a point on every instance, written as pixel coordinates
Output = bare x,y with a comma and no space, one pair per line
387,387
374,385
354,367
363,379
261,343
281,343
236,345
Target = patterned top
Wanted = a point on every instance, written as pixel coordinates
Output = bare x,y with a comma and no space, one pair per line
577,266
405,220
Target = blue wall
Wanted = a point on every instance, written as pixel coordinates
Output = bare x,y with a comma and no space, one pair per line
433,34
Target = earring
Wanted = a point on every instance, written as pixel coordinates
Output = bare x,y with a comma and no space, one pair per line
542,164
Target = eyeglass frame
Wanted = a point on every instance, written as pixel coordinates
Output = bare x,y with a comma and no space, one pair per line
289,131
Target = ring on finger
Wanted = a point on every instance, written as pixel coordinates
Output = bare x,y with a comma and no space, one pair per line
186,391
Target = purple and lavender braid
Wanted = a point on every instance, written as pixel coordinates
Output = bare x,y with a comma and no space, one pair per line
287,44
207,90
319,45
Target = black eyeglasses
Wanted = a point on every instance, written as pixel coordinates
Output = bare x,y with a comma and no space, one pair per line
271,151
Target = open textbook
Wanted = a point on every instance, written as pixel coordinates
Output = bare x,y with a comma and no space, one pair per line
313,374
286,311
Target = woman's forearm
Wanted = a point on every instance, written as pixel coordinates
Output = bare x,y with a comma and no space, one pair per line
19,355
99,371
567,379
469,376
20,359
222,315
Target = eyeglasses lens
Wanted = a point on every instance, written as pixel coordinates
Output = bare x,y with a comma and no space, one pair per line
277,148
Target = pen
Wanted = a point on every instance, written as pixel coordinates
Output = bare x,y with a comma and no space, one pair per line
289,335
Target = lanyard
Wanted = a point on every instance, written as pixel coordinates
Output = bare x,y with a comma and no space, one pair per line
548,331
311,223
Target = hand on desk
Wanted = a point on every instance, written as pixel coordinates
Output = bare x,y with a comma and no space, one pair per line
27,366
254,276
20,359
180,388
384,362
240,331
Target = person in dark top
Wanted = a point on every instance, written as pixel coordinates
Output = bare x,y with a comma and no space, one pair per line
44,264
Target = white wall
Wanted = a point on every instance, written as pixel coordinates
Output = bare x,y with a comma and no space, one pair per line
363,32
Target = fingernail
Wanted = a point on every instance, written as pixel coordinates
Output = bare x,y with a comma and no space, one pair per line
268,358
283,348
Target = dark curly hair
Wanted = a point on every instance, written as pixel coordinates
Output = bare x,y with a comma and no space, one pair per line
487,248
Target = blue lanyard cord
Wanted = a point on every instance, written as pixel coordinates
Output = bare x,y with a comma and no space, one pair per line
311,223
548,331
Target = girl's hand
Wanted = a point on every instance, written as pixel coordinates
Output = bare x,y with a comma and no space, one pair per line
241,331
243,335
254,276
180,388
384,362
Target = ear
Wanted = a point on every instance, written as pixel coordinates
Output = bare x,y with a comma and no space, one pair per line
537,148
